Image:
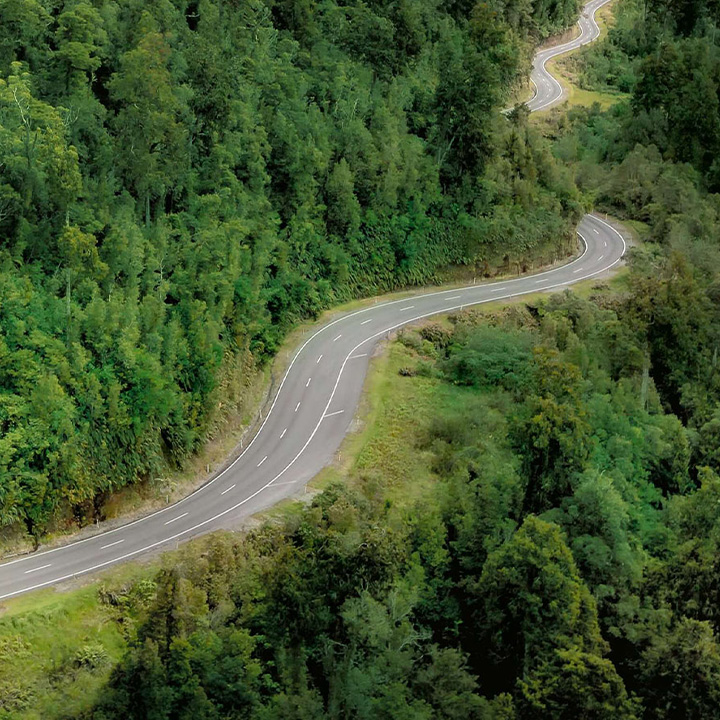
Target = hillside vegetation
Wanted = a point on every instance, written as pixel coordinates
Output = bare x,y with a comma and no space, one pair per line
530,526
181,181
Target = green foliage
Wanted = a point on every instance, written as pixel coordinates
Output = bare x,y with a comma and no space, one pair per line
181,183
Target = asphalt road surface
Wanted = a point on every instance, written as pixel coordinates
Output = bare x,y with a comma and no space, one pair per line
308,419
548,91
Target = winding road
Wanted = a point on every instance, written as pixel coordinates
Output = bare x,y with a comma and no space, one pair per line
548,90
315,402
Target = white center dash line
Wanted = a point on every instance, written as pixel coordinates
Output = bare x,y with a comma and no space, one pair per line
454,297
307,384
337,412
117,542
409,307
179,517
365,322
262,461
595,231
297,407
337,338
600,258
282,434
319,359
497,289
577,271
228,490
42,567
537,282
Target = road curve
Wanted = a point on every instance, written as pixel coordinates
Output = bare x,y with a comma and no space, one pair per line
548,90
306,423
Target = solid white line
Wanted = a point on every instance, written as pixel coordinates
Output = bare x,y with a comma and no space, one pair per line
297,407
337,412
337,338
409,307
307,384
113,544
262,461
228,489
282,434
179,517
319,359
42,567
365,322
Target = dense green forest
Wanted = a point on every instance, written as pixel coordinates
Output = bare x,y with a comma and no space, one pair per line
181,181
565,564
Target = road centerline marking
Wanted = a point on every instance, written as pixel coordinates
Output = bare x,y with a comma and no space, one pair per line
307,384
297,407
319,359
112,544
228,490
179,517
409,307
42,567
365,322
282,434
338,337
577,271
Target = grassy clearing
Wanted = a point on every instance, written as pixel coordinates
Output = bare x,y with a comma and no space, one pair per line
57,648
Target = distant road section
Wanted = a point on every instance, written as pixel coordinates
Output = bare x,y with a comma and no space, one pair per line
312,410
548,90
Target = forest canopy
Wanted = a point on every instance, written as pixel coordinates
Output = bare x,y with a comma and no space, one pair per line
180,182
